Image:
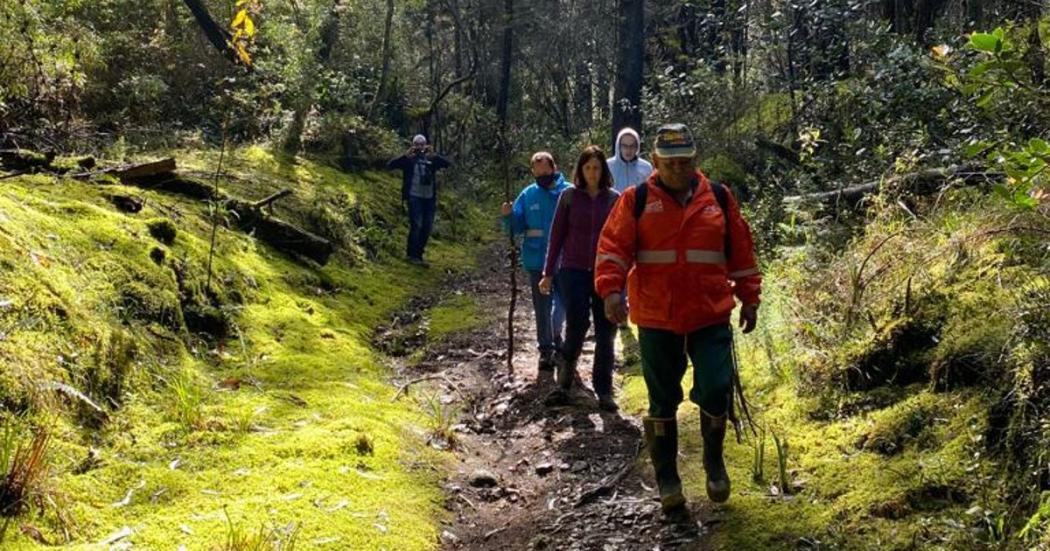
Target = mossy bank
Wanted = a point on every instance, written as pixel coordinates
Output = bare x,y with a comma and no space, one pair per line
188,410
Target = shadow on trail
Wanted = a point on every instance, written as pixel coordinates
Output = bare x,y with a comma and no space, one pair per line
532,475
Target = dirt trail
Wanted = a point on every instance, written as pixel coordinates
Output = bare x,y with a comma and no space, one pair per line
532,476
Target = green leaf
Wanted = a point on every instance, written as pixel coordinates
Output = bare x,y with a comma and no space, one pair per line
1038,146
986,99
983,67
985,42
1024,200
974,149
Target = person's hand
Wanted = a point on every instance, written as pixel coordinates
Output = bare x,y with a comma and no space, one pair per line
748,317
545,285
505,209
615,309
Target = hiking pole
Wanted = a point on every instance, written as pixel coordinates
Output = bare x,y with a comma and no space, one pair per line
513,255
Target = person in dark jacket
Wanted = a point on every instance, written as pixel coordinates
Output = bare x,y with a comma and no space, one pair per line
419,166
577,224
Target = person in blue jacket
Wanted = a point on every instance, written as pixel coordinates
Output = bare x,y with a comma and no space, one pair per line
531,216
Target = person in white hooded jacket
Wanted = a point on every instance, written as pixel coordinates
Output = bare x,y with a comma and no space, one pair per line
627,166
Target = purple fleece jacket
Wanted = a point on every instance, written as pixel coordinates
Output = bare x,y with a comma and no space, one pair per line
576,228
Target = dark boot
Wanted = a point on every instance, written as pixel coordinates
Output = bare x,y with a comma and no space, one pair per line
546,361
713,430
661,438
566,372
607,403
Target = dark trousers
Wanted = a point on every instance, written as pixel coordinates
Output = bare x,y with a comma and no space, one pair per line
582,304
665,358
550,314
420,224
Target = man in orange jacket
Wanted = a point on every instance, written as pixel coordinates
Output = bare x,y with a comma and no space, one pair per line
683,250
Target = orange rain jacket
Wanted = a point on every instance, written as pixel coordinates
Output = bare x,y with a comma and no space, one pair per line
673,261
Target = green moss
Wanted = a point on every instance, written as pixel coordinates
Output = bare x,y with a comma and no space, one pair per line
285,386
724,169
773,111
455,313
162,230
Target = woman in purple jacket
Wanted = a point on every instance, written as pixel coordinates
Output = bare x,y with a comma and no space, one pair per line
578,222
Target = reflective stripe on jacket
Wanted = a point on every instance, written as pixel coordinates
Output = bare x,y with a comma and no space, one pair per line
531,216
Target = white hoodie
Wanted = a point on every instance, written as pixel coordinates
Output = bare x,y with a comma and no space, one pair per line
628,173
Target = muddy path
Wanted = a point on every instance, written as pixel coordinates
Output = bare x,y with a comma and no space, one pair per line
530,475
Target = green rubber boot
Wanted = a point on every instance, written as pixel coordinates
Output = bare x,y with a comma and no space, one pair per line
661,438
713,430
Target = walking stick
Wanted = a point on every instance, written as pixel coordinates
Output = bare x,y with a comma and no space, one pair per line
504,152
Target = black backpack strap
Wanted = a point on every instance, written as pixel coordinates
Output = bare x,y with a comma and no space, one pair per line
722,196
641,194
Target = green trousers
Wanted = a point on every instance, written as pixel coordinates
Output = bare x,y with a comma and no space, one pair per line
665,358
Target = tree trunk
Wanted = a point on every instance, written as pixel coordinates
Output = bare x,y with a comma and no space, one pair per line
584,99
1035,56
926,12
602,70
974,14
716,50
433,76
457,36
688,33
327,37
507,57
384,75
630,66
738,42
216,34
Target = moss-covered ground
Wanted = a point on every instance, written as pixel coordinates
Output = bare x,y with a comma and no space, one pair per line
250,403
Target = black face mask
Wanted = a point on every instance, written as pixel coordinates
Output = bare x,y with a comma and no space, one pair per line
547,180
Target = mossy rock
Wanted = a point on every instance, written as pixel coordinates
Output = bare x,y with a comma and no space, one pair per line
902,424
207,319
140,300
898,354
162,230
937,496
157,255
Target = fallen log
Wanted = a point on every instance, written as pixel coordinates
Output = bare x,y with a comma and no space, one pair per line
250,216
270,200
145,170
279,233
162,169
126,203
187,187
25,159
925,182
782,152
